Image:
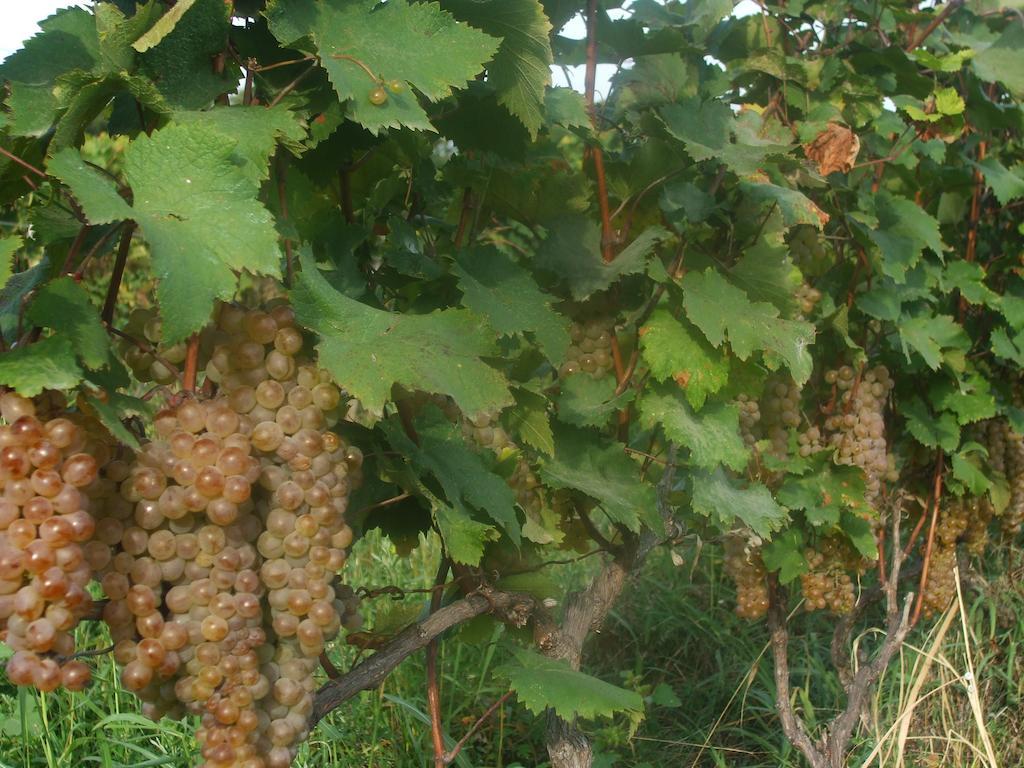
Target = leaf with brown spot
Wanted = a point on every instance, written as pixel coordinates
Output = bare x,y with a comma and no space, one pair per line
834,149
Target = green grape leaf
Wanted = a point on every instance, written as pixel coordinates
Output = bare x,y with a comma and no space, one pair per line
929,430
113,408
785,554
368,350
64,306
588,402
541,683
860,533
904,231
1000,62
530,422
970,399
826,492
1007,347
930,336
397,40
163,27
8,248
256,129
968,469
181,63
796,208
584,462
497,288
14,294
464,538
703,128
572,251
68,43
968,277
726,502
721,309
674,349
462,473
522,66
566,107
118,33
712,436
198,211
1007,184
48,364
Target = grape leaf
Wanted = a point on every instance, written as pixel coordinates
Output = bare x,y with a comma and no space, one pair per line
181,64
198,211
785,554
368,350
113,407
8,248
929,335
163,27
824,493
723,500
967,468
673,349
1008,185
796,208
904,231
703,127
464,537
861,534
256,129
603,472
48,364
572,251
588,402
712,436
968,277
499,289
542,683
462,473
566,107
529,421
720,309
522,66
1001,61
931,431
970,399
414,43
1008,347
64,306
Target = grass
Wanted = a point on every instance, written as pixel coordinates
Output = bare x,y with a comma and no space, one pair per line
673,638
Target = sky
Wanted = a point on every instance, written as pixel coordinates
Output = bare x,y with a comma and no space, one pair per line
20,17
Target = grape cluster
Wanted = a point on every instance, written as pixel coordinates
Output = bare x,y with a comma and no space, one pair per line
807,298
780,412
1013,465
45,525
229,528
808,251
590,350
147,361
953,523
750,417
857,426
744,566
809,441
827,584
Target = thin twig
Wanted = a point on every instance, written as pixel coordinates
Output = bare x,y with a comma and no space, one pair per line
117,273
433,685
75,247
934,23
191,364
292,85
449,756
21,162
936,498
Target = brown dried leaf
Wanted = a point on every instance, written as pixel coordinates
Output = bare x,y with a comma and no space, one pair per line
834,149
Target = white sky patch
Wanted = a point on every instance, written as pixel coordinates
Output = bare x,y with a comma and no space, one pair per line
21,17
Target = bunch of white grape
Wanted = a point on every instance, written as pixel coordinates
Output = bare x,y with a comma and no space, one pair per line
856,427
45,527
591,349
744,566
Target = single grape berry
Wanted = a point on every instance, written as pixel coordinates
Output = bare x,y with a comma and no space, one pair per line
378,96
396,86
